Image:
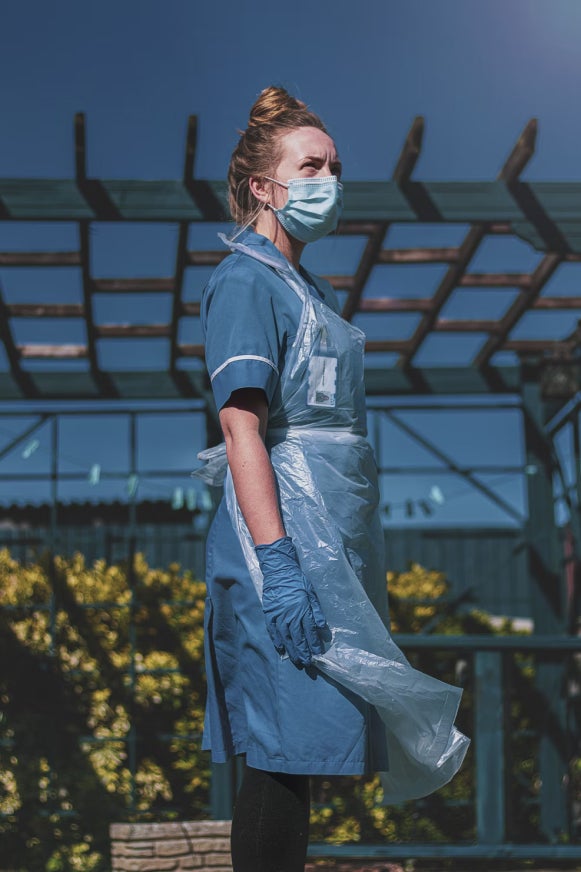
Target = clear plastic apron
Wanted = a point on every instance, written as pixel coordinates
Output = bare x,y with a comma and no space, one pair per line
327,481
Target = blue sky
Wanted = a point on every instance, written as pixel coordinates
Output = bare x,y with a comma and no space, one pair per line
476,69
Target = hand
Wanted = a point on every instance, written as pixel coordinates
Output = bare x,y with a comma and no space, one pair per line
291,607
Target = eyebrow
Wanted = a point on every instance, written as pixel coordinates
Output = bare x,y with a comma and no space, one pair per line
319,159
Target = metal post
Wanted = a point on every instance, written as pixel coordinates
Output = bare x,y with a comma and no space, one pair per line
131,548
489,745
547,581
53,528
52,553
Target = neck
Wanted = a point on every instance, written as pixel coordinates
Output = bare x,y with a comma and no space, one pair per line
268,225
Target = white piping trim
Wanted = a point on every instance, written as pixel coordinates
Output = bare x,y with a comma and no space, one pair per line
242,357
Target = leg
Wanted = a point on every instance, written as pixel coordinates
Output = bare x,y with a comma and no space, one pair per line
270,825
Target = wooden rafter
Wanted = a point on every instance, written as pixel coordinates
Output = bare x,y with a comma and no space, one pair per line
101,378
45,310
395,304
40,258
418,255
133,286
22,378
527,296
38,351
401,174
182,251
513,166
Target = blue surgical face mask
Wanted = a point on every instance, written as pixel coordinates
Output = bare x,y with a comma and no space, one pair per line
313,207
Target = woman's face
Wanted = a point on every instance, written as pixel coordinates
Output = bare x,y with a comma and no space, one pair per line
306,152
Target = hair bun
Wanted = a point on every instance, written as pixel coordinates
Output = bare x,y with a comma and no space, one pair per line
272,105
258,151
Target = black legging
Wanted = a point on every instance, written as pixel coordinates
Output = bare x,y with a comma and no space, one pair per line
270,825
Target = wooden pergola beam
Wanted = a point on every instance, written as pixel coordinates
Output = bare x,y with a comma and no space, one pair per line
521,153
187,350
365,203
92,192
133,286
355,228
181,258
556,303
341,283
398,346
20,376
133,331
538,280
205,258
52,352
402,173
45,310
450,325
417,255
40,258
514,164
394,304
495,280
535,346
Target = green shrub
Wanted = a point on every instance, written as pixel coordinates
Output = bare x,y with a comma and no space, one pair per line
101,697
101,711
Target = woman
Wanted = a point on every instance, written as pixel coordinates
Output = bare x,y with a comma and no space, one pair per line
303,677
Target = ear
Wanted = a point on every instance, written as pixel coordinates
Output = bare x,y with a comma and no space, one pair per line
260,188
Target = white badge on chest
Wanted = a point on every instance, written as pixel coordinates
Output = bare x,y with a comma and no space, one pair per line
322,388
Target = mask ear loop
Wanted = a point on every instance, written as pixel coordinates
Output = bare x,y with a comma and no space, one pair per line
253,216
276,182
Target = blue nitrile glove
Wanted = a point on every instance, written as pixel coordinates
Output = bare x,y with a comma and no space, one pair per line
291,606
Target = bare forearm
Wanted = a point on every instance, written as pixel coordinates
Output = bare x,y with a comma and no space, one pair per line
255,487
244,421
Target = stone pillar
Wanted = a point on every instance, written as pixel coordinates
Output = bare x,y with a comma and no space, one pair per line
203,846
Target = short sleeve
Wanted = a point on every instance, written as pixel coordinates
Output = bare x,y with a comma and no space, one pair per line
242,333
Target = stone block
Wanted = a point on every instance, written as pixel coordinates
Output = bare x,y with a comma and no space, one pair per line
132,849
203,846
216,859
207,828
140,832
217,868
129,864
172,847
120,831
158,865
165,847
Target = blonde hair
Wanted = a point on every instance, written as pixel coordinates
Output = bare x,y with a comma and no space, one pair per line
258,151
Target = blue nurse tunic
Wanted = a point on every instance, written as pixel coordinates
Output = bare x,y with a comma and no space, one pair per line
284,719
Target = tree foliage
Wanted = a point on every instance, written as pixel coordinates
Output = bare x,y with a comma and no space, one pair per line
101,711
101,694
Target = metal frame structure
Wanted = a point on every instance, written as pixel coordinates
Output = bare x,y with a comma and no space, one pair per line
545,376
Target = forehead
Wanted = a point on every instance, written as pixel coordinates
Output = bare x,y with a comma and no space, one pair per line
307,141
